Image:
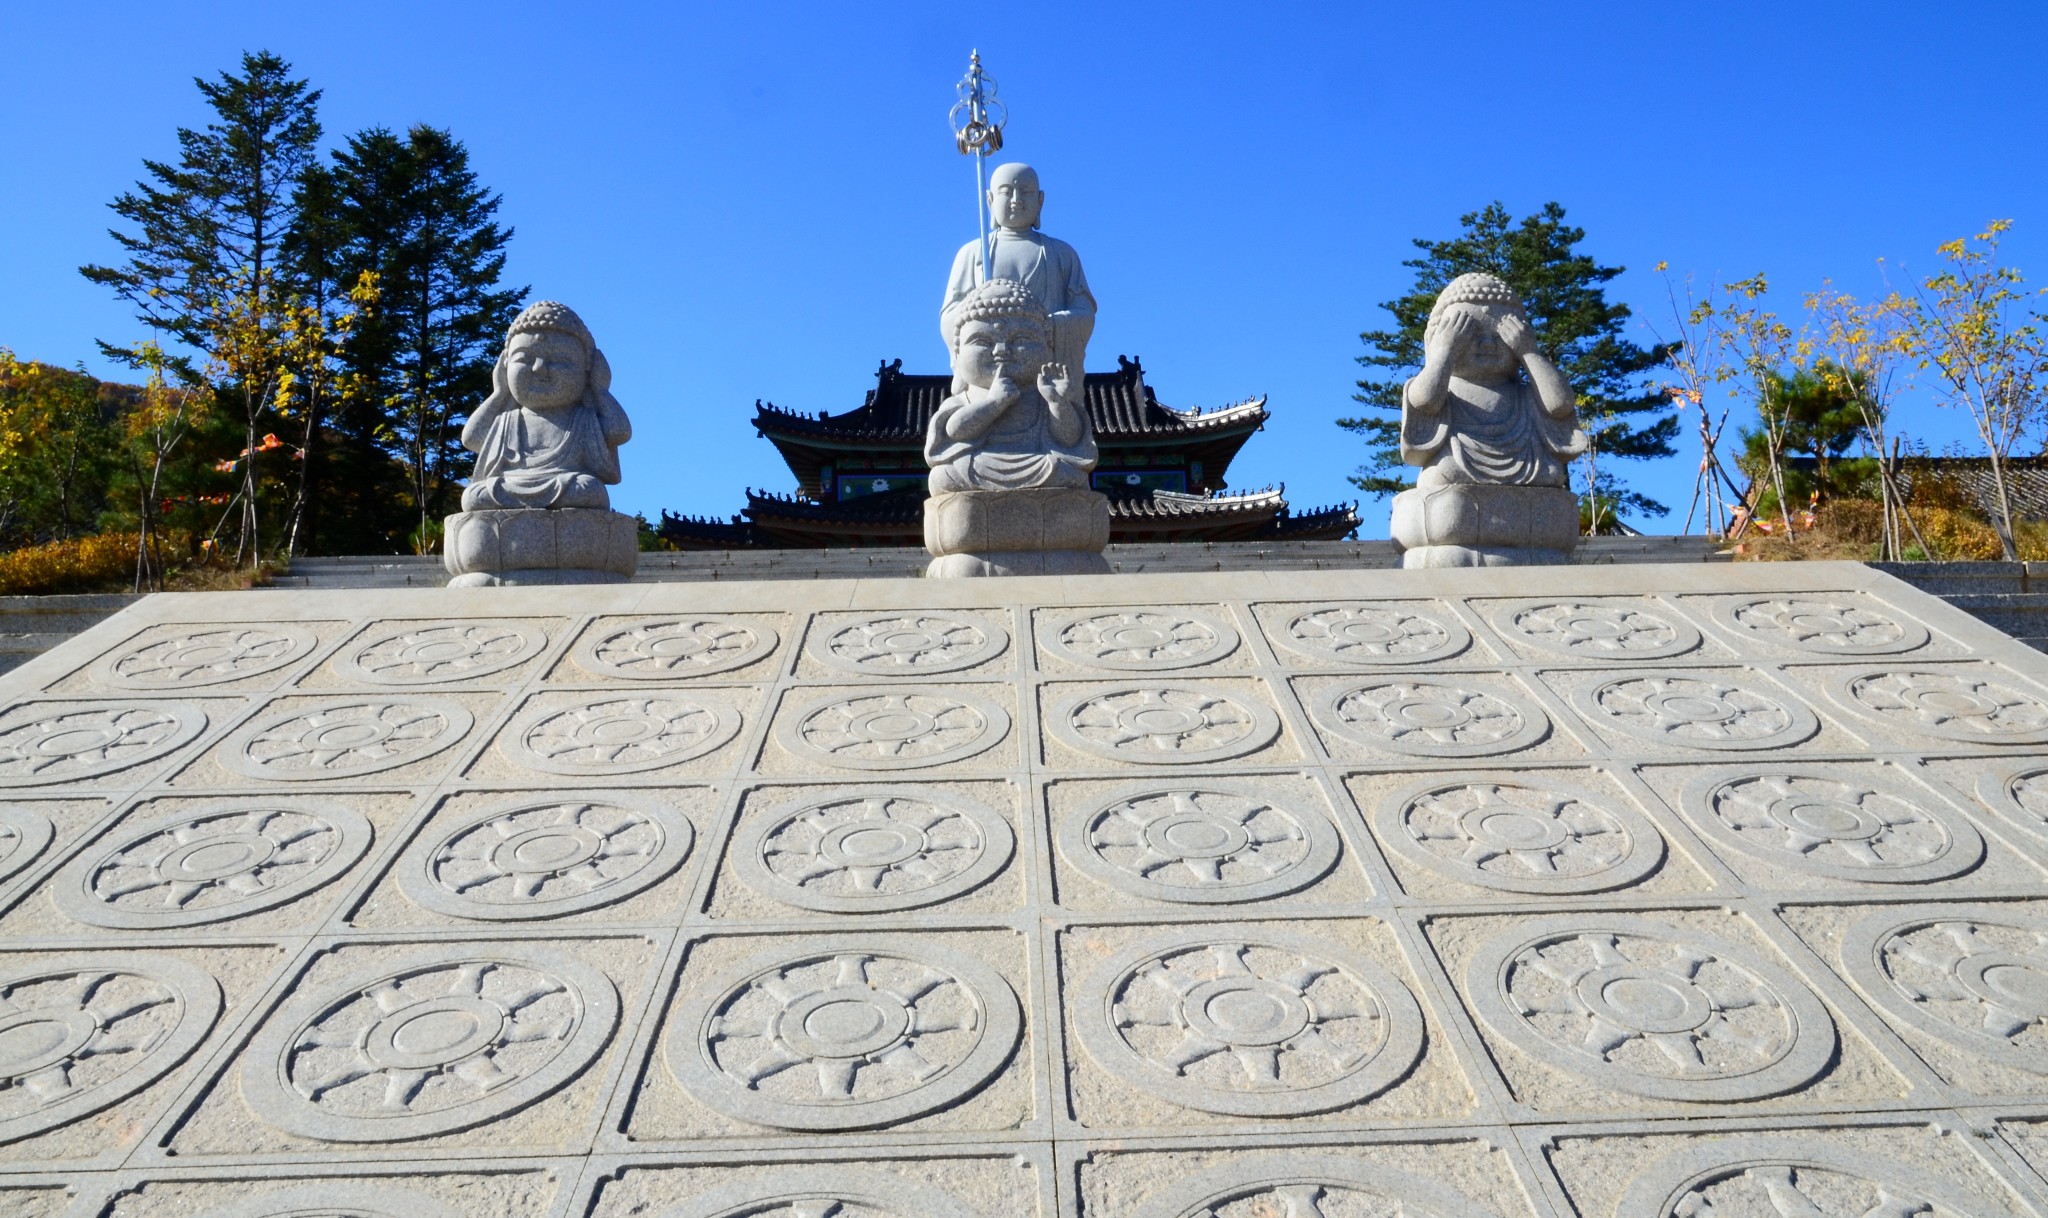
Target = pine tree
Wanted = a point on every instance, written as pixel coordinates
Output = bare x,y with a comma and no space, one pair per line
419,219
1575,324
202,267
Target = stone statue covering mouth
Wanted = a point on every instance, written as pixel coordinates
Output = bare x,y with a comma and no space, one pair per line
549,434
1015,418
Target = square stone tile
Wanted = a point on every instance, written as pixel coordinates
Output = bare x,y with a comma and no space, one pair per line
1433,718
430,1191
33,832
890,730
1453,1176
558,857
675,648
1815,1167
169,868
1951,979
342,739
1162,723
1830,624
106,744
2009,791
1370,635
911,646
1101,641
1653,712
432,653
839,1037
1672,1011
1910,705
445,1046
627,736
204,657
845,1184
1603,630
832,851
1233,1025
1470,833
116,1033
1207,842
1808,828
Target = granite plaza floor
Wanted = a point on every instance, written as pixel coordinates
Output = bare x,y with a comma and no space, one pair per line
1702,891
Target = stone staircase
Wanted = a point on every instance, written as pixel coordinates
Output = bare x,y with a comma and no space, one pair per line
2012,596
31,625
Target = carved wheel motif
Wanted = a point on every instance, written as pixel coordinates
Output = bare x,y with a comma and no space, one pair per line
223,863
1265,1025
339,1199
852,1038
662,648
825,1192
1164,724
1792,1177
1375,634
459,651
1199,846
87,741
345,738
621,735
911,644
1308,1186
1651,1009
1512,837
1974,977
1823,625
204,656
1957,704
1837,825
1599,630
2021,794
903,729
546,858
1142,640
430,1048
24,833
79,1035
1700,712
874,853
1432,718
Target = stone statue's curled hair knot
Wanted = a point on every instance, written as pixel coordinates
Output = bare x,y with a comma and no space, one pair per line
1002,298
1477,288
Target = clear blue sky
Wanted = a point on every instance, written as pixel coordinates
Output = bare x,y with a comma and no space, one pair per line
761,200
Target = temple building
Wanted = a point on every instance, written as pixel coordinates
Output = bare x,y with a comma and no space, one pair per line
860,476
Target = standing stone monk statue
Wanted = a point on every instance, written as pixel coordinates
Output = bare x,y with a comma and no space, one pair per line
1022,254
1494,426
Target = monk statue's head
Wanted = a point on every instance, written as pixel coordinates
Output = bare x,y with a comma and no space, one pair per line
1476,304
1014,199
1001,332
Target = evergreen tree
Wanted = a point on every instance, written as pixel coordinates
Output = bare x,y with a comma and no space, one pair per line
202,264
418,218
1575,324
1824,409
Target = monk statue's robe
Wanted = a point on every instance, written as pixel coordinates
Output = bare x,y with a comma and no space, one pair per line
1046,265
529,459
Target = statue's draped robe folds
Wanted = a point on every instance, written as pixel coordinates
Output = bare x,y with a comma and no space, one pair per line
525,458
1022,449
1047,266
1484,434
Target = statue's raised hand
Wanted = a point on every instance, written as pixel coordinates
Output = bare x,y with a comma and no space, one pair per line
1519,336
1458,330
1054,384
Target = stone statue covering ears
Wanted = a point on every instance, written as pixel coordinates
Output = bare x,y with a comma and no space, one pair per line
549,434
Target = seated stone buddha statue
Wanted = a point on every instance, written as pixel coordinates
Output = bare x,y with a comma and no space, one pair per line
1469,416
1016,419
549,434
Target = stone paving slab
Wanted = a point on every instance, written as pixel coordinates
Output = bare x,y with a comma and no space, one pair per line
1656,892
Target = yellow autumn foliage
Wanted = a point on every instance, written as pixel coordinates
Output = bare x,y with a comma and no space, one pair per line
85,564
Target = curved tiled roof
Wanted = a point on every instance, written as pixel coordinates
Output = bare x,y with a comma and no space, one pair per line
901,405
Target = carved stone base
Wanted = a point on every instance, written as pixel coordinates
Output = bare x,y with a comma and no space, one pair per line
1046,531
1466,525
539,546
